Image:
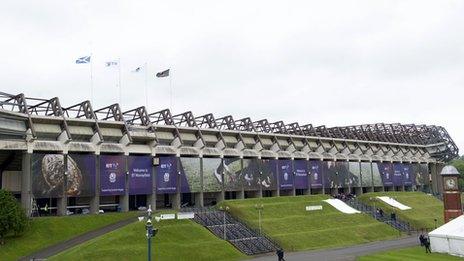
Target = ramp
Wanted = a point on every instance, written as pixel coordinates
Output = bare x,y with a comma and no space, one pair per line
341,206
393,203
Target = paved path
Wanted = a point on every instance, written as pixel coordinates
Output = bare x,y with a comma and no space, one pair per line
55,249
349,253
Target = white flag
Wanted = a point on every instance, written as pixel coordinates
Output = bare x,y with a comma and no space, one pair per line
112,63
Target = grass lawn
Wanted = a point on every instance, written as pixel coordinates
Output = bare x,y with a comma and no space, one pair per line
47,231
425,208
286,221
176,240
410,254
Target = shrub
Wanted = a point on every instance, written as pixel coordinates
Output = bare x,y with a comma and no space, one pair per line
13,219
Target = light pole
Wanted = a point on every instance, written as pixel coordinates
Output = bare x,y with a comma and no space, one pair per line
259,207
373,212
150,231
224,209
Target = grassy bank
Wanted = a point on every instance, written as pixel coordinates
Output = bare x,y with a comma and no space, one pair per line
176,240
47,231
410,254
286,221
424,208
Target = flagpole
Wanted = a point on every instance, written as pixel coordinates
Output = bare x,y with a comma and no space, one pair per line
170,89
119,80
146,87
91,79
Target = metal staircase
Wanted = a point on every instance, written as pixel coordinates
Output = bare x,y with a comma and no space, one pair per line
395,223
224,226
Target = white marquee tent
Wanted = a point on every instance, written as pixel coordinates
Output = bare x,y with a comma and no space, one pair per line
449,238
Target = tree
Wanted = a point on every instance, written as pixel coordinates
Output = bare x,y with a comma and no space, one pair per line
13,219
459,164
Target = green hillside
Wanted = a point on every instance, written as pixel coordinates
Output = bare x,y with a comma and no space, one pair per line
425,208
286,221
176,240
47,231
410,254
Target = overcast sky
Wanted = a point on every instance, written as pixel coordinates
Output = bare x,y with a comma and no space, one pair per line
321,62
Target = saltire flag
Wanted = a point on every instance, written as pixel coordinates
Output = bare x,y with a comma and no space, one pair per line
136,70
164,73
85,59
112,63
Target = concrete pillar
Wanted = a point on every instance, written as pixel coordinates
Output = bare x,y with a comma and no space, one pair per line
61,204
199,199
124,199
26,195
175,201
220,196
95,201
293,192
240,194
153,197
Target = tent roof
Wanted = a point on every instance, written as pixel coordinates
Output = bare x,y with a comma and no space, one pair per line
452,229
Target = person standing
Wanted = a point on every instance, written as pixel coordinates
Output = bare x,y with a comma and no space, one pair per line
427,244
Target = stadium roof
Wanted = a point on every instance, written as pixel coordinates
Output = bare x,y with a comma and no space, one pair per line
80,127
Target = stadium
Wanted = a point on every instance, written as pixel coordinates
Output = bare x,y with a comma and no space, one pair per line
115,159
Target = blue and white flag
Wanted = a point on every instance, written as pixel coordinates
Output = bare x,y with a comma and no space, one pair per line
112,63
138,69
164,73
85,59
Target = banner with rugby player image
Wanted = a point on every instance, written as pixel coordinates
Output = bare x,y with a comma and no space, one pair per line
397,174
301,174
48,175
212,174
386,173
190,177
268,170
343,174
332,178
250,177
315,173
354,174
81,175
112,175
285,170
140,175
420,173
408,175
376,175
166,175
422,176
232,171
366,174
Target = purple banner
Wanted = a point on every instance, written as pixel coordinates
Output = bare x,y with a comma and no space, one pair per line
398,174
112,175
315,173
408,175
386,173
268,178
166,175
140,175
285,174
81,175
301,174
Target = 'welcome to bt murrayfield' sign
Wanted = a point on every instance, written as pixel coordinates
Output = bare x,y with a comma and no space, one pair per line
312,208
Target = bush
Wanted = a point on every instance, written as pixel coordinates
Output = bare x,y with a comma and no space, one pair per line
13,219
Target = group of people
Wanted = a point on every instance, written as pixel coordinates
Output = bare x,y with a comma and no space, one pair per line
425,242
344,197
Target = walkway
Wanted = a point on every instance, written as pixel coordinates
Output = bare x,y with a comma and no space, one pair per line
345,254
55,249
